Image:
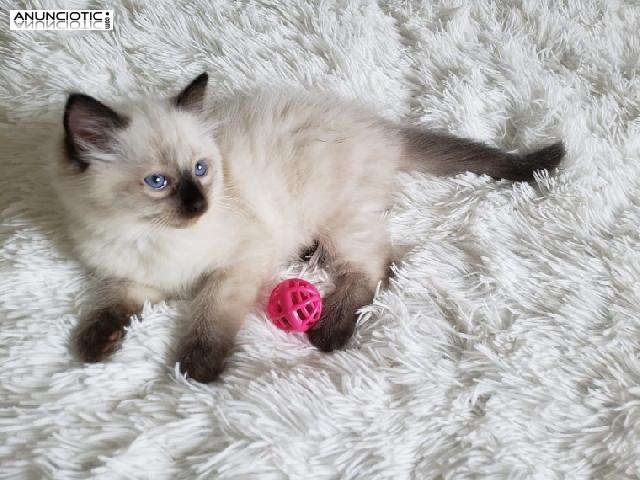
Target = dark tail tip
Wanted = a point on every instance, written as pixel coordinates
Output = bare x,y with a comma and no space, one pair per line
546,158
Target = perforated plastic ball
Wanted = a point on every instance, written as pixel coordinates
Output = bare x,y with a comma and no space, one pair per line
294,305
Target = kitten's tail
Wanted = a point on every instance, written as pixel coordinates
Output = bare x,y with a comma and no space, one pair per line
439,154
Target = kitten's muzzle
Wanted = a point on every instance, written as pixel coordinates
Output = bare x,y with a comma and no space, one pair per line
192,201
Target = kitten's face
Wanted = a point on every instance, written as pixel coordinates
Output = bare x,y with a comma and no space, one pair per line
159,164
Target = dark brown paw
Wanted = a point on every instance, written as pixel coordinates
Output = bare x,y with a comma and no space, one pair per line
201,361
329,338
334,329
339,316
101,334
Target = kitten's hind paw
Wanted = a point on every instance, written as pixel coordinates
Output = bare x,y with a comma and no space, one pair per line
335,327
330,339
201,361
101,334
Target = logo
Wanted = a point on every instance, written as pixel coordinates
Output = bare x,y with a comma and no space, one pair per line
61,19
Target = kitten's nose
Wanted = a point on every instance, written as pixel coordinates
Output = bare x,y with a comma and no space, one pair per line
192,200
197,206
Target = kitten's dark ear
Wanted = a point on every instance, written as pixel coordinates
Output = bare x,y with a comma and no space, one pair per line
192,97
88,124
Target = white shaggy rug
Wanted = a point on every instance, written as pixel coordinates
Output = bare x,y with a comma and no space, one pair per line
507,346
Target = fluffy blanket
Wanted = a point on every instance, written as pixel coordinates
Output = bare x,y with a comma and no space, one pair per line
506,346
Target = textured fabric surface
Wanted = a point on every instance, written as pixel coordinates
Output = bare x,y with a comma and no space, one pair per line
508,343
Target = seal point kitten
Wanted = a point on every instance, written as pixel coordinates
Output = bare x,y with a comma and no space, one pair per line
176,198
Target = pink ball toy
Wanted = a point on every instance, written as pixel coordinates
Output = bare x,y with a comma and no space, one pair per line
294,305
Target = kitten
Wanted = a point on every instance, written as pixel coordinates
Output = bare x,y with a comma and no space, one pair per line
177,199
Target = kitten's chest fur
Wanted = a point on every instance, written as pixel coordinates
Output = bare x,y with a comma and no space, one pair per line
168,259
172,260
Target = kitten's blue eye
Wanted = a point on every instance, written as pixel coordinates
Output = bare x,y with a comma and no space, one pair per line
201,168
156,181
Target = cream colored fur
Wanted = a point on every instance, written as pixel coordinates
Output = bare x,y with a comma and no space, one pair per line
279,161
284,171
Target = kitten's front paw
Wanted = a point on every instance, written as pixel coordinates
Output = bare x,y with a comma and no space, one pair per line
201,361
334,329
101,333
